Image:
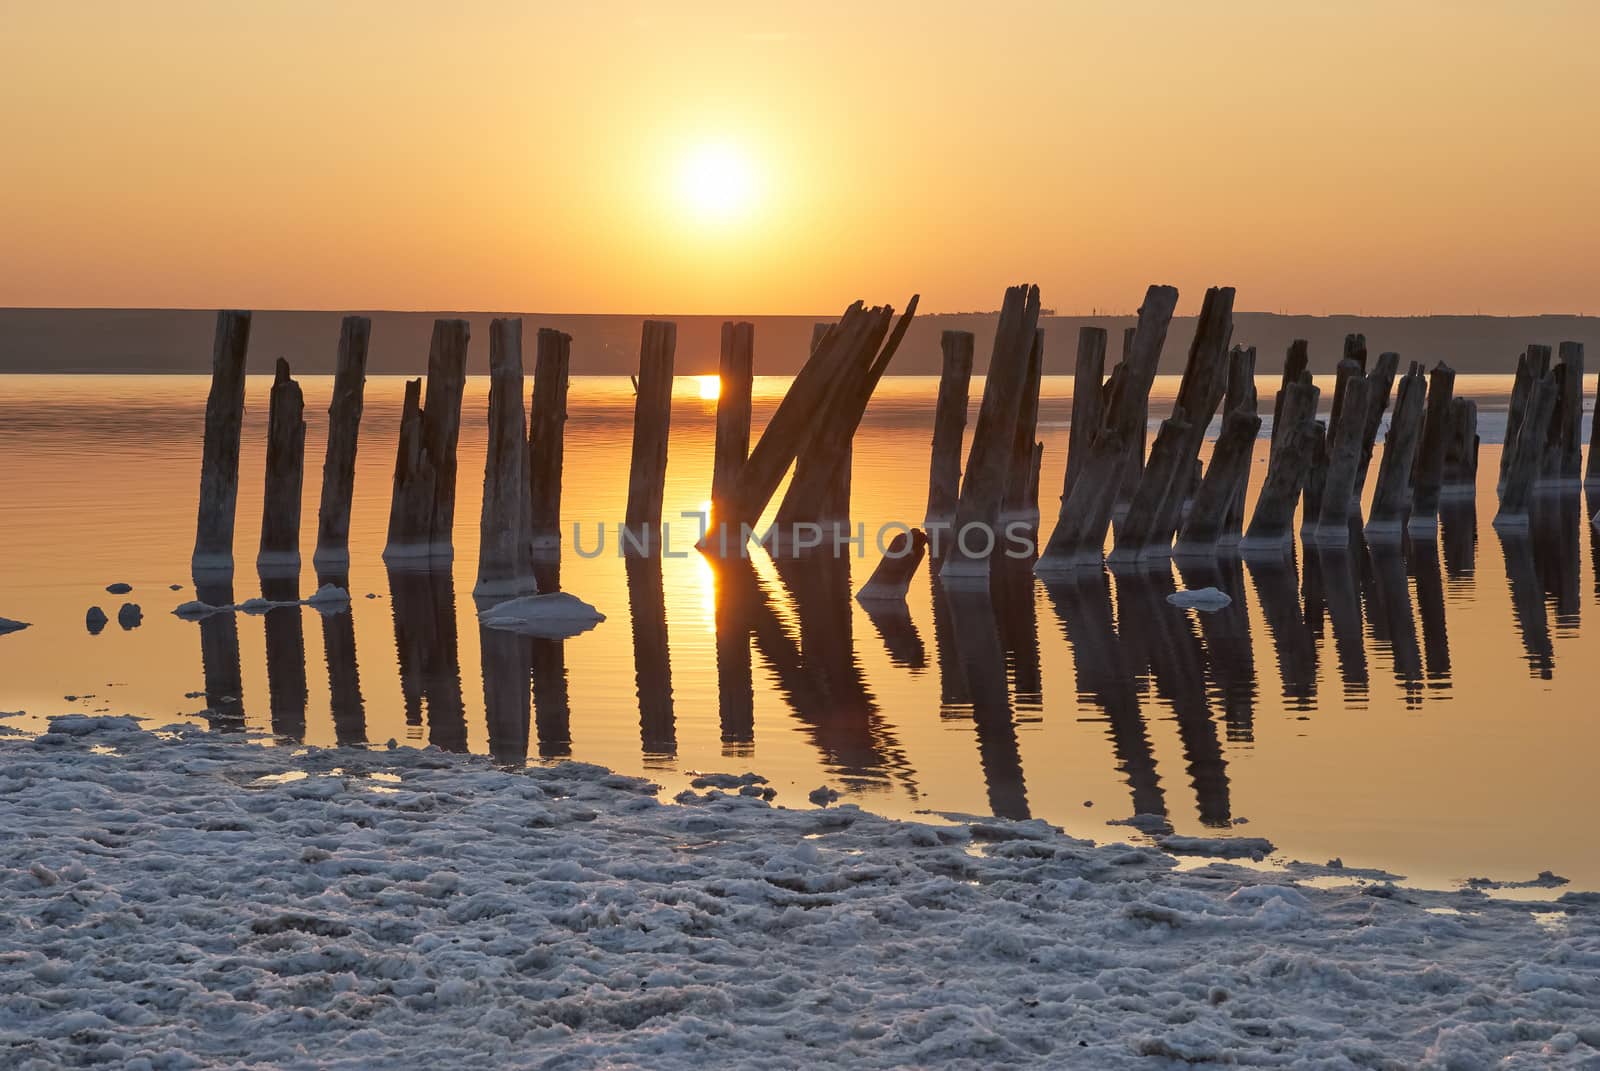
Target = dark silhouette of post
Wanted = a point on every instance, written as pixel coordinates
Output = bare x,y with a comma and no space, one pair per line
736,376
286,458
1295,362
1532,364
219,463
1391,498
1022,486
423,508
1427,477
652,418
1344,460
1221,486
1380,382
1240,397
344,427
1526,453
1296,441
1088,403
1563,457
547,424
504,568
1460,477
949,425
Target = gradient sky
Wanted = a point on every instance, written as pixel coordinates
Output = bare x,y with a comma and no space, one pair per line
1385,158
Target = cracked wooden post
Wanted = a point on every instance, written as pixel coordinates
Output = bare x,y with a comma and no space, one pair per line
1088,403
1241,395
1018,503
1381,380
1460,478
1164,473
423,507
504,568
547,423
1220,487
892,578
1526,454
1296,361
1562,466
1533,363
983,484
286,457
219,463
949,425
1332,526
1271,530
652,418
1427,476
344,427
1080,533
1355,349
1391,497
736,375
1318,476
1133,465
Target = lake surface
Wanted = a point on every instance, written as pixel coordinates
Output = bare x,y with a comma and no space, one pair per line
1428,711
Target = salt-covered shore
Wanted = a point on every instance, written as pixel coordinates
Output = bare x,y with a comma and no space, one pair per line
181,900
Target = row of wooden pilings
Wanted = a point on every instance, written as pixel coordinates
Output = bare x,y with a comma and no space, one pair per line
1157,503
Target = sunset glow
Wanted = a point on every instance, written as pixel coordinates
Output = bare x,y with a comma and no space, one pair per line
710,387
716,183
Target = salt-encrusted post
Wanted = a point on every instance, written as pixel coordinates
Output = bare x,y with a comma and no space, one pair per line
1563,456
286,457
736,373
1526,454
1271,530
344,426
547,423
1427,478
976,527
1381,382
1087,402
219,464
652,415
1017,504
1221,486
1391,498
423,508
892,578
503,565
949,425
1332,526
1460,479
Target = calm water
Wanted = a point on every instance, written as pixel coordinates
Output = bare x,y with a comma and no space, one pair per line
1426,711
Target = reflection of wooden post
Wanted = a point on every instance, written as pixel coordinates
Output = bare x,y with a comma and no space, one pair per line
344,427
949,425
1087,402
503,565
506,660
219,465
219,656
425,639
552,707
652,416
423,508
286,457
1294,449
344,672
735,587
1427,478
1391,498
287,693
652,663
547,424
735,374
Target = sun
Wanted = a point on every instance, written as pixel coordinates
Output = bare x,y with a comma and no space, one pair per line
710,387
716,182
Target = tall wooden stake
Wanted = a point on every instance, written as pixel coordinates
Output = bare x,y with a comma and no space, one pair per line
1088,404
286,458
1427,478
547,424
736,374
652,418
344,427
219,463
949,425
423,508
504,568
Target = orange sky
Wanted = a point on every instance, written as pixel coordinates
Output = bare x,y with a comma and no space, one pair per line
1385,158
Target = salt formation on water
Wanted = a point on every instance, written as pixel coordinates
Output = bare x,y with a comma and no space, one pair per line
187,900
1203,599
328,599
556,615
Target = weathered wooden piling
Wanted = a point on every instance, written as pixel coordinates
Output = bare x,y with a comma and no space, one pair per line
1380,381
1460,478
1355,349
219,463
1317,478
1240,396
1332,525
835,503
983,484
547,423
1526,454
892,578
1532,364
286,458
652,418
1271,530
1080,532
1562,466
1391,497
423,507
1018,503
344,427
1133,465
504,568
1221,486
1165,473
949,426
1296,361
1088,403
1591,476
1427,476
736,373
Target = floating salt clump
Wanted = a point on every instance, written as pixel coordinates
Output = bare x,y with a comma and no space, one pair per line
174,587
823,796
194,610
330,598
1207,600
554,616
94,620
8,625
119,588
255,606
130,616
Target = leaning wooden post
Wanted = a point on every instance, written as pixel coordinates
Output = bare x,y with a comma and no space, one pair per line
1460,478
344,427
547,424
983,485
219,463
1531,366
1133,465
1219,489
1165,474
1563,456
1427,478
286,458
423,507
1526,453
1241,395
504,568
736,374
892,578
1391,497
652,416
1017,504
1271,531
836,505
949,425
1087,402
1332,526
1381,381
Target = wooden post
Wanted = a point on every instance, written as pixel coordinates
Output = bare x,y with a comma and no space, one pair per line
1017,504
1427,478
835,505
423,507
1332,526
1221,486
892,577
1133,465
1241,395
504,568
286,457
219,464
1271,530
1296,361
1526,454
1318,476
1355,349
735,373
652,417
1164,473
1591,476
949,425
1080,532
1391,498
547,423
1531,365
1461,451
344,426
983,485
1563,456
1381,381
1088,406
